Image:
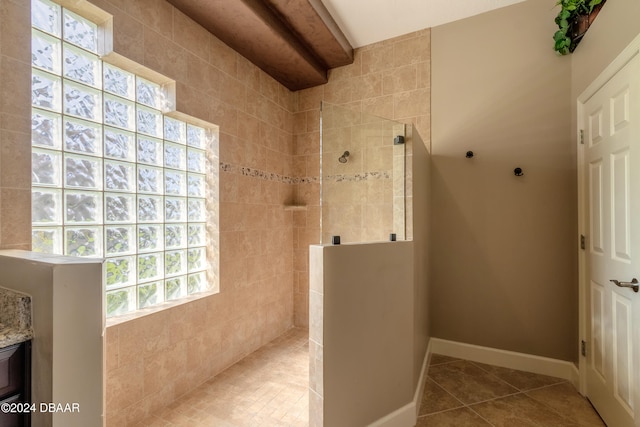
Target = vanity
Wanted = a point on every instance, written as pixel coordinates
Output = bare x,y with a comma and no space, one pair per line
16,334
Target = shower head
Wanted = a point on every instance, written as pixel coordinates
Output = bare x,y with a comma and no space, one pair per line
344,157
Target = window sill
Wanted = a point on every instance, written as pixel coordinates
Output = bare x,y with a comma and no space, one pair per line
117,320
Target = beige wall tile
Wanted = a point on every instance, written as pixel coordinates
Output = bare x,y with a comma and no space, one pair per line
400,79
14,19
191,35
15,159
129,39
15,212
163,55
15,86
156,14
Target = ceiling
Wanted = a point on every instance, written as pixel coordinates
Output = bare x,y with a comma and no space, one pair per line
298,41
369,21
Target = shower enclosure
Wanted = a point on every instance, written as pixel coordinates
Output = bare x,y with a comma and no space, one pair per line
363,176
368,299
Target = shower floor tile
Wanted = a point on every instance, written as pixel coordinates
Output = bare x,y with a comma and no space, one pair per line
270,387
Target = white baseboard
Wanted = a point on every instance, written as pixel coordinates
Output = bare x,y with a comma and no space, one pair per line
507,359
407,416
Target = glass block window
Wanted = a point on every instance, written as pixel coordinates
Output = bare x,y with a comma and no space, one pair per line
112,177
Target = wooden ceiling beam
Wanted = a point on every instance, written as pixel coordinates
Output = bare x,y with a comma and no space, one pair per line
294,41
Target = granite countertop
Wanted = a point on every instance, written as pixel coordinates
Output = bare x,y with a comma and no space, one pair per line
15,317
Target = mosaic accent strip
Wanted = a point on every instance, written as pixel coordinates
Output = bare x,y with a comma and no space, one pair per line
358,177
267,176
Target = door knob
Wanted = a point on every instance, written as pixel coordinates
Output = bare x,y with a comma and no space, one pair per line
633,284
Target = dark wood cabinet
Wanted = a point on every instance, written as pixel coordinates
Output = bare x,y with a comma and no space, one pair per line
15,383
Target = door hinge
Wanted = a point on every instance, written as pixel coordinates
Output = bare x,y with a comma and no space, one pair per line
581,136
583,242
583,348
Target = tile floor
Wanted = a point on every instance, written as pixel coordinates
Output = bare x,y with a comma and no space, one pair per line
468,394
270,388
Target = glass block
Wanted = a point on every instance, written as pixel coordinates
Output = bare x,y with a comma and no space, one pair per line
46,167
196,185
197,210
81,66
150,294
83,207
150,267
197,235
121,301
82,137
46,90
174,156
150,208
175,209
119,144
80,31
120,240
175,288
119,82
82,101
119,112
45,15
149,151
86,241
46,129
196,161
196,136
175,183
46,206
83,172
150,180
175,263
149,122
46,52
150,238
175,130
120,271
175,236
196,283
149,93
46,240
119,208
119,176
197,259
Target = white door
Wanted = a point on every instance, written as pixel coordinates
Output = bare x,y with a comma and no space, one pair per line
611,120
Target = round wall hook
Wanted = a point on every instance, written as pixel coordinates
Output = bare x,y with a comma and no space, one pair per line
518,172
469,154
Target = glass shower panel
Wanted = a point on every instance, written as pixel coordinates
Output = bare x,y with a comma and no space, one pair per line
363,176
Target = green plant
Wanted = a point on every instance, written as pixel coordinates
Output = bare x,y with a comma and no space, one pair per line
569,12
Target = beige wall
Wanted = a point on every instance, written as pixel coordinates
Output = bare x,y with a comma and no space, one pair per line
419,197
390,79
366,331
616,26
504,247
155,359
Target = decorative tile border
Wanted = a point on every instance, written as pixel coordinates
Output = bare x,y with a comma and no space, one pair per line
269,176
358,177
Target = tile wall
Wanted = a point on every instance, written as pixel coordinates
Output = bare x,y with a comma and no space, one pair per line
390,79
155,359
15,125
